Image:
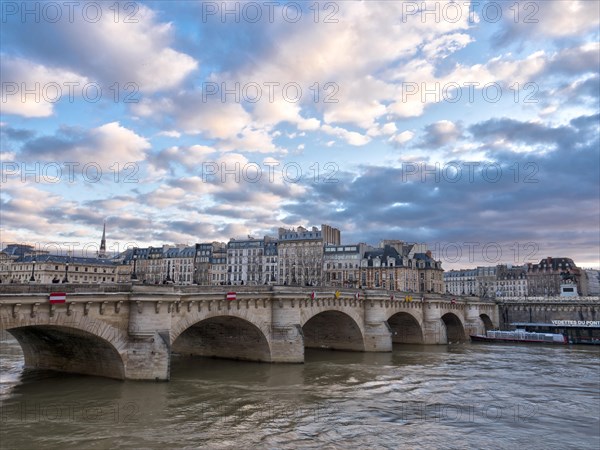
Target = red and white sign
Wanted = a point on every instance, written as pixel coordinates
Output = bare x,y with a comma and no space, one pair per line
357,296
58,297
231,296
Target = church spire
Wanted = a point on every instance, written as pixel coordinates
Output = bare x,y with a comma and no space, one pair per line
102,252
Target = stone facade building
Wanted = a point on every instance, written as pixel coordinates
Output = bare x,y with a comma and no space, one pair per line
341,264
300,254
593,277
245,261
217,269
60,268
396,266
511,281
545,277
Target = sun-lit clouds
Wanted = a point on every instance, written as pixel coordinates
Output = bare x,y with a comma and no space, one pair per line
550,19
402,138
351,137
106,51
441,133
24,214
105,145
446,45
30,89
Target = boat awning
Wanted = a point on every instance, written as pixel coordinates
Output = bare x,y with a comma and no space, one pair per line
594,324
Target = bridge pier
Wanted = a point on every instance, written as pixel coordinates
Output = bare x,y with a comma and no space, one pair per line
149,348
473,323
378,335
434,328
286,337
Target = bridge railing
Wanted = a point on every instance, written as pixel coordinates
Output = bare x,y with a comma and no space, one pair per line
35,288
321,292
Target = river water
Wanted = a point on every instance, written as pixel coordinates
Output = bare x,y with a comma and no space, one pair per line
439,397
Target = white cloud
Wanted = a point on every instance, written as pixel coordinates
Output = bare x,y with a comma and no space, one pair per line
170,133
351,137
445,45
123,52
46,84
402,138
555,19
105,145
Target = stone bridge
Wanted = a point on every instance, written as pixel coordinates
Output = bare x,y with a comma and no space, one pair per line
130,332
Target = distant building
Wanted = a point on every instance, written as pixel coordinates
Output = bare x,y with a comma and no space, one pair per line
463,282
511,281
300,254
593,281
402,267
15,251
204,260
5,268
166,264
271,261
180,264
217,270
545,277
245,262
61,269
341,264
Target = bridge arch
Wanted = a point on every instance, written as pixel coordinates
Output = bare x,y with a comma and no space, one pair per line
455,330
405,328
487,322
335,330
69,349
222,336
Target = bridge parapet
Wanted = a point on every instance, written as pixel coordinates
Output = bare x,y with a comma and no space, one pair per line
555,299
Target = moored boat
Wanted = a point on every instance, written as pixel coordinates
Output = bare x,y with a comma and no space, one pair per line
520,335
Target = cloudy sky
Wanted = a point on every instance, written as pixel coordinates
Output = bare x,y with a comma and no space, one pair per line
472,127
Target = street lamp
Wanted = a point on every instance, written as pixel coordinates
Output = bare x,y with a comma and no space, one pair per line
32,271
168,271
134,274
66,279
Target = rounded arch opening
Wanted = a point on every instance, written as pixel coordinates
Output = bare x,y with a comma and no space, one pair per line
405,329
333,330
65,349
487,322
455,332
223,337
